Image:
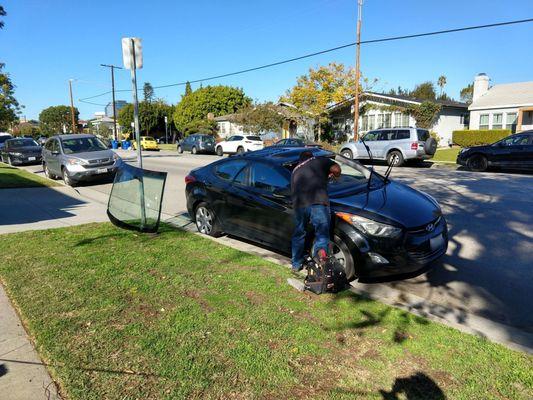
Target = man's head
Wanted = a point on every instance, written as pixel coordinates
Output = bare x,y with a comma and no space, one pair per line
305,155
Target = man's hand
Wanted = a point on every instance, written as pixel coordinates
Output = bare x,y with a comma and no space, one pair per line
334,171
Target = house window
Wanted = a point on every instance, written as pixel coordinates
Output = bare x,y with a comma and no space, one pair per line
484,121
380,121
371,122
364,125
510,122
222,128
497,121
405,120
386,120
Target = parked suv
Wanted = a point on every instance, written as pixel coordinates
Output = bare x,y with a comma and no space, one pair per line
78,158
197,143
395,145
239,144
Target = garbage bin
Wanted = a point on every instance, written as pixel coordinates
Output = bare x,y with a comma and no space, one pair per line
114,144
125,144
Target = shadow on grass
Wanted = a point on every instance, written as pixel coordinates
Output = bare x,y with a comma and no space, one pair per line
415,387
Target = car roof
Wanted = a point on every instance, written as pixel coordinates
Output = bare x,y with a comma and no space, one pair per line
282,154
74,136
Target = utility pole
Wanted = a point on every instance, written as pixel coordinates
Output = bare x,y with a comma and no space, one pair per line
72,106
166,130
357,71
112,67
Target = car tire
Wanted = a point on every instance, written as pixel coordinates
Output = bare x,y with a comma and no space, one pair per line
240,150
343,255
180,150
67,179
47,172
395,158
220,152
206,220
194,150
347,153
477,163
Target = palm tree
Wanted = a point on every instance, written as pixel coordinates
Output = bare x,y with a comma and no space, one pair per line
441,82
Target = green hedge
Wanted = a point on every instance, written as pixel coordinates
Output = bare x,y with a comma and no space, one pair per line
478,137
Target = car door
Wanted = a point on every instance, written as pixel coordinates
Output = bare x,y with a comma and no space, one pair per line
510,152
235,143
53,156
369,140
382,143
186,144
529,153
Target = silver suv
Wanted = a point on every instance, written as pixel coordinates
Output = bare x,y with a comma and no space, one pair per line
78,158
396,145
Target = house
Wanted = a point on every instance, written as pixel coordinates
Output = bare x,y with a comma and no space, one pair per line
504,106
227,126
388,111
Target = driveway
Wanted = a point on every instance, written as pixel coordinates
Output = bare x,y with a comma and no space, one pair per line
487,270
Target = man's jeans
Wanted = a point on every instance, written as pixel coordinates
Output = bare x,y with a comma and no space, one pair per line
319,217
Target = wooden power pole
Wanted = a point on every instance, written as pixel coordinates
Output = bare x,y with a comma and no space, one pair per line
357,71
112,67
72,106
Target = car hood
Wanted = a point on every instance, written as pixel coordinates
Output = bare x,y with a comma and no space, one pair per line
26,149
478,148
93,155
392,202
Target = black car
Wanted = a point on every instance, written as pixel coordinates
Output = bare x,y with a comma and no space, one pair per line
296,142
21,151
197,143
514,152
380,228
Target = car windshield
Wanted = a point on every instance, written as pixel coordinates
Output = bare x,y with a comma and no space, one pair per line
353,175
255,138
22,143
82,145
4,138
207,139
149,139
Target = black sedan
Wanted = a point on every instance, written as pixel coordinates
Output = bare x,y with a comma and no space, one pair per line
21,151
380,228
296,142
514,152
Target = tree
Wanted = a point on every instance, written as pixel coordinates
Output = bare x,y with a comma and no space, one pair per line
57,119
424,113
466,93
2,14
441,82
151,117
188,89
9,106
424,91
148,92
200,126
260,117
215,100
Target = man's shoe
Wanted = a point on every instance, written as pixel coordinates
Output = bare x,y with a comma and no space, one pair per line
296,270
322,255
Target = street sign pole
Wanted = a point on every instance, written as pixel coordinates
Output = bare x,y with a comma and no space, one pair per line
136,108
166,130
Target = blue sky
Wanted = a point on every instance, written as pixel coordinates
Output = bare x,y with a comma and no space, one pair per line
44,43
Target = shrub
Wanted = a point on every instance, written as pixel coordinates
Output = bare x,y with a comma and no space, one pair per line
479,137
435,136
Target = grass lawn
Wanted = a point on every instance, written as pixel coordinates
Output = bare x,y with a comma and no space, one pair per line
11,177
120,315
446,154
169,146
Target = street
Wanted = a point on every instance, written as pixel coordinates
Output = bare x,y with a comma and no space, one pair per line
487,269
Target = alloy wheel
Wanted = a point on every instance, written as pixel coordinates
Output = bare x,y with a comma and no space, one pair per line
204,220
339,254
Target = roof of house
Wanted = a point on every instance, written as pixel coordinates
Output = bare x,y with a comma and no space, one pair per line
517,94
400,98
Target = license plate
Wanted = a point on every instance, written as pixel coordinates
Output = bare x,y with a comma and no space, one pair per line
436,242
101,171
31,158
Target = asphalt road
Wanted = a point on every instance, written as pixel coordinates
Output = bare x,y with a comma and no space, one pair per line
488,269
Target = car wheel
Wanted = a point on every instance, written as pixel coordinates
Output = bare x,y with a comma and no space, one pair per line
220,152
206,221
395,158
347,153
343,255
477,163
240,150
67,179
194,150
47,172
180,150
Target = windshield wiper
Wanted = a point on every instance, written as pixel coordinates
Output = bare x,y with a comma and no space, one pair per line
371,161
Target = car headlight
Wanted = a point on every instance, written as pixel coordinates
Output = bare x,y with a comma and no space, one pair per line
17,154
116,157
76,161
371,227
463,150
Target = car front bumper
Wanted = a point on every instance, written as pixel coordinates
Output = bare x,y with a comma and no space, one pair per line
20,160
81,173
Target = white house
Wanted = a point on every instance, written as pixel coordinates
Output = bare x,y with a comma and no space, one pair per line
380,113
226,126
504,106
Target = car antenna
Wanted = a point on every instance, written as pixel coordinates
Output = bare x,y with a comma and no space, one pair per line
371,160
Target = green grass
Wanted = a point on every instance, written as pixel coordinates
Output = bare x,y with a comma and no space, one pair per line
169,146
120,315
448,155
11,177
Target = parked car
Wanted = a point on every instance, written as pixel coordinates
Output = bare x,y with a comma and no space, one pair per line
396,146
3,138
381,228
239,144
197,143
41,140
21,151
147,143
296,142
513,152
78,158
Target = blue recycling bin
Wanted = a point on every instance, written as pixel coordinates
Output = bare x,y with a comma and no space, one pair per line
125,145
114,144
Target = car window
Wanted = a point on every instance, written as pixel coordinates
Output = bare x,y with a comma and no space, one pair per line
385,135
21,143
371,136
242,177
81,145
353,174
3,138
236,138
266,178
228,170
403,134
254,138
282,142
55,145
423,134
517,140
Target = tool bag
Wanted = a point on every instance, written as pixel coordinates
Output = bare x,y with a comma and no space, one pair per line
325,277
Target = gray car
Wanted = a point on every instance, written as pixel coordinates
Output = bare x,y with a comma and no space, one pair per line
76,158
395,145
197,143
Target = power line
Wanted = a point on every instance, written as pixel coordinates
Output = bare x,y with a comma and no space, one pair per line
386,39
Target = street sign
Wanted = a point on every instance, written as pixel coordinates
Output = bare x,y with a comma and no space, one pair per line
131,47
